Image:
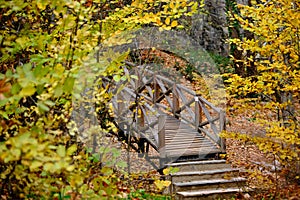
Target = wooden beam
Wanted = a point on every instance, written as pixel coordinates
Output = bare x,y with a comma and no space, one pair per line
198,113
222,128
175,107
161,135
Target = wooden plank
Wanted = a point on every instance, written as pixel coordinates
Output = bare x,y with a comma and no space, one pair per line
207,122
175,134
163,106
183,107
192,149
175,106
186,133
190,153
197,113
186,120
211,136
176,142
192,143
181,132
186,102
189,91
182,139
165,79
222,128
212,125
183,136
209,104
187,148
150,92
183,142
161,135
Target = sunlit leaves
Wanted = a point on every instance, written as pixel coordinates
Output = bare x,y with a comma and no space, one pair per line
160,184
48,58
274,87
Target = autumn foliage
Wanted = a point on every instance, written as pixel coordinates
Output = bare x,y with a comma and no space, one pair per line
272,91
46,48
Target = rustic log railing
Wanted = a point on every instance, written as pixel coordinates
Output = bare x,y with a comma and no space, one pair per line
143,104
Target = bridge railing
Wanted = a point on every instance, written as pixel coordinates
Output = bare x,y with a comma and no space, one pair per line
157,95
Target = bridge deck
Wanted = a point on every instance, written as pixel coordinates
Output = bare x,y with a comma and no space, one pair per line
183,140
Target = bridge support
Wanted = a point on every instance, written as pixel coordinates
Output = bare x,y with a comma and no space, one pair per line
222,128
161,139
176,106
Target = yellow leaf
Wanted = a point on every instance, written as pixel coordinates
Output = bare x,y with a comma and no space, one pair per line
160,184
28,91
174,23
168,20
172,5
166,171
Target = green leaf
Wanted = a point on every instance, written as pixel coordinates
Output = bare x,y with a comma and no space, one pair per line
68,85
42,106
49,103
117,78
27,91
61,151
134,77
71,149
35,164
48,166
58,91
15,88
4,115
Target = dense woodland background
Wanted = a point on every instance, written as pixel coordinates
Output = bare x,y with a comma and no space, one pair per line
46,45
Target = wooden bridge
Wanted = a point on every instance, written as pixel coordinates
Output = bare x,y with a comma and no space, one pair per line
152,110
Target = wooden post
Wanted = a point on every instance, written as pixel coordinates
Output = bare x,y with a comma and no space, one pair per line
140,117
198,117
156,89
161,138
175,101
222,128
120,104
140,124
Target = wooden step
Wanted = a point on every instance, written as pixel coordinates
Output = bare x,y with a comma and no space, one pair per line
225,173
216,183
187,148
201,152
211,194
187,132
187,142
184,137
200,165
190,146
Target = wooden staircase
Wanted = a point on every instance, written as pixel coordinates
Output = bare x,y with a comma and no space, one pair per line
206,179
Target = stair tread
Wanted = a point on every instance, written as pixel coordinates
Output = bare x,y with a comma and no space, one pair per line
211,181
200,151
204,192
186,147
201,162
204,172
